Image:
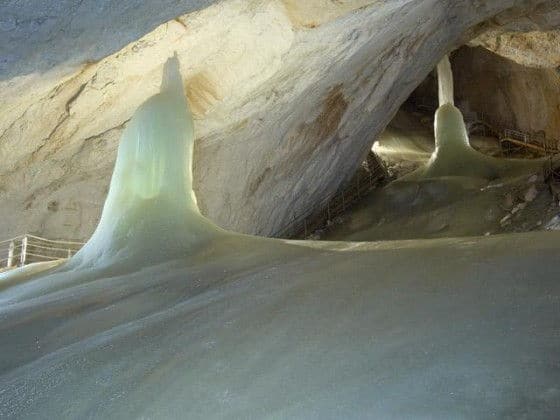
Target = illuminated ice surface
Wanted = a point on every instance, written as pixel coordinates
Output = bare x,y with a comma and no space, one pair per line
226,326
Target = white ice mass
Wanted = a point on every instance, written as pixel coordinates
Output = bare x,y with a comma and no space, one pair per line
453,155
445,82
164,315
150,212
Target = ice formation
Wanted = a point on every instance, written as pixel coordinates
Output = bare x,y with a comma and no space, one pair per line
150,213
225,326
450,194
151,208
445,82
453,155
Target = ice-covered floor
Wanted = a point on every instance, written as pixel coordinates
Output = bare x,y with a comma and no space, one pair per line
257,328
449,207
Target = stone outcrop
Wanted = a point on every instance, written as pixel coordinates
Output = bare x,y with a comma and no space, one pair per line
523,98
532,49
528,38
287,96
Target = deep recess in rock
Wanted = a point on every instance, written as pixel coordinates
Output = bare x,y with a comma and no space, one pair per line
457,191
522,98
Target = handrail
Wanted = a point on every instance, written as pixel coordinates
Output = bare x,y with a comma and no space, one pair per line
47,247
31,248
15,238
334,205
45,256
539,142
523,144
54,241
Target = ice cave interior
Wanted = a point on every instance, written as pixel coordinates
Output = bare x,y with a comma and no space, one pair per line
280,209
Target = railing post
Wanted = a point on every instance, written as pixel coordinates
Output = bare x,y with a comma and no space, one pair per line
69,253
11,254
23,251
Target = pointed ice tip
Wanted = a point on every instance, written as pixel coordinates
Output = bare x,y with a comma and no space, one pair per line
172,79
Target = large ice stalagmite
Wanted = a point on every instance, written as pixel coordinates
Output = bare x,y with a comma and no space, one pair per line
150,215
150,212
453,155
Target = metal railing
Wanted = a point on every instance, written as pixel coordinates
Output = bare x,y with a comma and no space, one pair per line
27,249
538,142
535,141
551,169
333,206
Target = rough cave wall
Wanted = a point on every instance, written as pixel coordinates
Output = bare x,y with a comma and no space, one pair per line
287,96
509,94
532,40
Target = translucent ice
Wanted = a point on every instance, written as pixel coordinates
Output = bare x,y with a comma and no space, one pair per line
151,209
445,82
453,155
150,213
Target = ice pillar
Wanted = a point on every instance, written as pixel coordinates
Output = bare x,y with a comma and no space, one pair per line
449,126
445,82
150,212
453,155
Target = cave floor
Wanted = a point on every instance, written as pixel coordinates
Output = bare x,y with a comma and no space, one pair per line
257,328
449,207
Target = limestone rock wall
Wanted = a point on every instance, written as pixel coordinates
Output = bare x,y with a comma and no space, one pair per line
522,97
529,38
288,97
533,49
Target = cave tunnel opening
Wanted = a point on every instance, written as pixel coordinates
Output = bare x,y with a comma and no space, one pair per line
511,113
510,110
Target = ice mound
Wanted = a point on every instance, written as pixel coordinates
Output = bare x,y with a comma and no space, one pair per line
453,155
